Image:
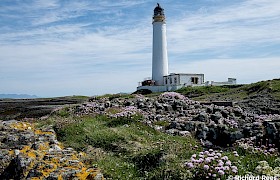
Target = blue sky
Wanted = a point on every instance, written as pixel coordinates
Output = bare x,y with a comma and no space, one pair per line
93,47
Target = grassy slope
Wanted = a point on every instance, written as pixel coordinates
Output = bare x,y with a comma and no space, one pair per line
128,149
127,152
233,93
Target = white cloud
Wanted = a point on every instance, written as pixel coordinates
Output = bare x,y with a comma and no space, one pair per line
249,22
245,70
57,54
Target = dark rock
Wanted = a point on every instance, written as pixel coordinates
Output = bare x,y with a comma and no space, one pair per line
202,117
189,126
216,117
224,113
236,135
167,107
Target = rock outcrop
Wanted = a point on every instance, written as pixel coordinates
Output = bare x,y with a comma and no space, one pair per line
27,152
217,125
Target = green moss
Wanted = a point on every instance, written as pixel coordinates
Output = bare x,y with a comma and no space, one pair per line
162,123
64,112
114,122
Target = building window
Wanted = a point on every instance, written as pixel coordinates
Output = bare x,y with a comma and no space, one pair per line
170,80
165,81
194,80
175,80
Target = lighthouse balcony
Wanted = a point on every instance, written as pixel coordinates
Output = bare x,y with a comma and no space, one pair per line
159,18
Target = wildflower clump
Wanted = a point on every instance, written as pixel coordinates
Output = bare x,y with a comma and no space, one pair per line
126,112
211,165
173,95
263,117
252,145
231,123
263,168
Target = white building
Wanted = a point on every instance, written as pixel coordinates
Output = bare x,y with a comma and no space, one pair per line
162,81
177,79
230,81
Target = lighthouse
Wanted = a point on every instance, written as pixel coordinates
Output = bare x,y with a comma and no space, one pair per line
161,80
160,59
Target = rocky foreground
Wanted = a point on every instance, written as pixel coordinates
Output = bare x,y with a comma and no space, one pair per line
27,152
213,125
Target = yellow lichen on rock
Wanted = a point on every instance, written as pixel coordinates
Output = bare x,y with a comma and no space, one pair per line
44,146
39,131
36,178
23,126
60,177
39,155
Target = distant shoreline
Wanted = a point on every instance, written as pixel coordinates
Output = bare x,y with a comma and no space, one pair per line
17,96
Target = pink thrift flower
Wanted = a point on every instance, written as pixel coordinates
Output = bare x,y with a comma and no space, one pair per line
228,163
207,160
226,168
190,165
206,152
236,155
221,172
201,156
206,167
234,171
225,158
194,156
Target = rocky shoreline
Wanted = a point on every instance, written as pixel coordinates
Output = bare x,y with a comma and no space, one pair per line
33,108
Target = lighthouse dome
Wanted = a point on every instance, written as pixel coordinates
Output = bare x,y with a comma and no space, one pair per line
158,10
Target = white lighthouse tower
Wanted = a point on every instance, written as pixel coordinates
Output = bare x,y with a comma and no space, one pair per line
161,80
160,59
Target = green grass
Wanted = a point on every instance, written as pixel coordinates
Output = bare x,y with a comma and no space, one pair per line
130,152
125,148
202,90
275,86
113,96
164,123
64,112
232,93
136,151
249,160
